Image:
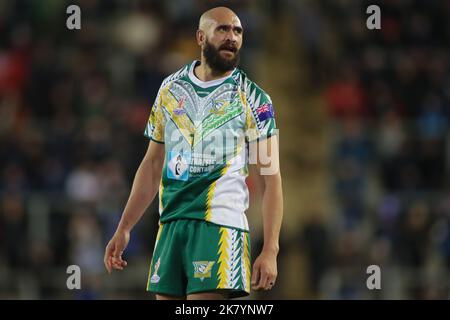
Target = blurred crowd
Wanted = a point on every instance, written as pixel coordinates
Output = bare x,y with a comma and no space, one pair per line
388,98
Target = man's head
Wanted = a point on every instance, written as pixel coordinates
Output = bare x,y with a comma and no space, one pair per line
220,37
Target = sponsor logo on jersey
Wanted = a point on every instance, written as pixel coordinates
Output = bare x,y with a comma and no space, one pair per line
155,278
202,269
178,165
265,111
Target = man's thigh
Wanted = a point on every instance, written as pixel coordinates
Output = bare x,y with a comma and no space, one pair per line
166,275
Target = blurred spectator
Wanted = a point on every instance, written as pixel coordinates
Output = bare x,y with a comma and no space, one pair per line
396,87
316,243
14,231
345,95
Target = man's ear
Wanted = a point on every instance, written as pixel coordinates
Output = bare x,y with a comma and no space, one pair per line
200,37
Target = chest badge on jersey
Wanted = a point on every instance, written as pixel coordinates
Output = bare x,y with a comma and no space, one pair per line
178,165
219,107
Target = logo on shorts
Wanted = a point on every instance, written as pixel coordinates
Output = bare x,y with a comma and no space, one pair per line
155,278
202,269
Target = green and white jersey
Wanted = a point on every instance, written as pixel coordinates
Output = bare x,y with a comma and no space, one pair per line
206,128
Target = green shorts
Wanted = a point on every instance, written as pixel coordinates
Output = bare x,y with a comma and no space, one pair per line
193,256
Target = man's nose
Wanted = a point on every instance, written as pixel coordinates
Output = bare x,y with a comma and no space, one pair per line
231,36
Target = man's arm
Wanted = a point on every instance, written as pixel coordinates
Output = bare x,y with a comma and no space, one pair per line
268,176
145,186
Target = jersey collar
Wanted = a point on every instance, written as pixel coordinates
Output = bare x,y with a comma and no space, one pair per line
205,84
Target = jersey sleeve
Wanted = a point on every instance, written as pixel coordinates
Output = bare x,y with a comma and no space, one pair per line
156,121
260,116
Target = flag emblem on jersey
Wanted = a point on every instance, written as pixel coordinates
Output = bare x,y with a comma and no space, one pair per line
202,269
178,165
265,111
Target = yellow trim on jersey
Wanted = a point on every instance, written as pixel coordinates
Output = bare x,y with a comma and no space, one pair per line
182,121
210,194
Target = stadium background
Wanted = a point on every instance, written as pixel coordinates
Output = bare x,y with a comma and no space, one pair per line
363,118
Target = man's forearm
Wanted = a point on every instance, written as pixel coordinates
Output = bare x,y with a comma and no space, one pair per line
272,211
143,191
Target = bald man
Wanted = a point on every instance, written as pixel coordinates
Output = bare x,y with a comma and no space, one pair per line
208,123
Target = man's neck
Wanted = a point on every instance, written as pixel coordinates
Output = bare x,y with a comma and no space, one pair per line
204,72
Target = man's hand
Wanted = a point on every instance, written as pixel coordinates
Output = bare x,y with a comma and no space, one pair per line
145,186
269,182
114,250
264,271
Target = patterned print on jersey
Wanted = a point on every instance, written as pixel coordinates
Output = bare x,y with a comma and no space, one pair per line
210,124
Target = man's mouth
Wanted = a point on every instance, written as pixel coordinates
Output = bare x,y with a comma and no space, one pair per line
228,49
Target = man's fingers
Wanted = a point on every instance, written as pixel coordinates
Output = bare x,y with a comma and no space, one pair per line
264,273
107,258
117,252
271,282
105,262
255,276
262,280
113,257
118,263
259,279
265,282
118,266
110,263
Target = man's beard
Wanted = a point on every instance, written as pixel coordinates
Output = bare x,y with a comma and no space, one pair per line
216,61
